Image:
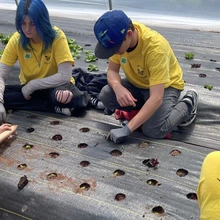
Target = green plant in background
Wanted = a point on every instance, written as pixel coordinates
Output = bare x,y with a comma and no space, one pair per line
90,56
75,48
1,52
5,38
207,86
92,68
189,56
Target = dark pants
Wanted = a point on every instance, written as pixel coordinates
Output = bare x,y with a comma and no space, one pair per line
169,115
42,100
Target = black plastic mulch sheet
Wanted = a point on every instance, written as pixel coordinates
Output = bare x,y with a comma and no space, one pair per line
74,173
79,176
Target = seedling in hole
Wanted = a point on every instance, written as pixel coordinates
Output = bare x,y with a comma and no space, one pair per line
75,55
28,146
5,39
189,56
90,56
92,68
52,175
22,166
71,41
209,87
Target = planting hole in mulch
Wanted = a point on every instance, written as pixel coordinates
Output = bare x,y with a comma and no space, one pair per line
54,154
119,173
30,130
82,145
22,182
143,144
153,182
202,75
181,172
87,45
151,162
22,166
217,68
120,197
213,60
55,122
84,129
192,196
28,146
51,176
31,116
84,163
158,210
175,152
116,153
57,137
84,186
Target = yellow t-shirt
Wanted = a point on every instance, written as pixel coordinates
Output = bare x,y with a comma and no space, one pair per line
34,64
208,191
152,62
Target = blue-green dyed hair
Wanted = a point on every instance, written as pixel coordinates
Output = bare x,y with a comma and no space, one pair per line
38,14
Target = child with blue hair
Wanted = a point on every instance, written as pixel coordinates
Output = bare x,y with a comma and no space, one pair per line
45,60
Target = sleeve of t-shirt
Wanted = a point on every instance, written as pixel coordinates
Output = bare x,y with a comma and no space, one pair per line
62,50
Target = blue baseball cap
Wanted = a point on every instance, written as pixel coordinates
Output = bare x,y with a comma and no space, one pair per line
110,30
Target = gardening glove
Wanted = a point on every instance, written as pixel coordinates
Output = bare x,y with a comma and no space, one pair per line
2,113
118,135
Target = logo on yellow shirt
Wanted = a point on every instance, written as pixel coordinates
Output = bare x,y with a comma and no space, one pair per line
140,71
123,60
27,56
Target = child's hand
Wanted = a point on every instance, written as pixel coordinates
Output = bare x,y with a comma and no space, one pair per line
7,132
5,127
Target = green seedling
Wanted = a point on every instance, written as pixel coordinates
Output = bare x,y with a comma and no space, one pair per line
71,41
5,39
76,55
28,146
90,56
75,48
93,68
116,173
1,52
209,87
189,56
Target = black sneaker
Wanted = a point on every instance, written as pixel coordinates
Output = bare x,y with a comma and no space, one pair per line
96,103
191,98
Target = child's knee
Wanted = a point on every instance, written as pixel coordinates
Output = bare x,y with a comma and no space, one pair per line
105,94
155,133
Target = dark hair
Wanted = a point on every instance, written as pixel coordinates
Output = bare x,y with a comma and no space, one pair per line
131,26
38,14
